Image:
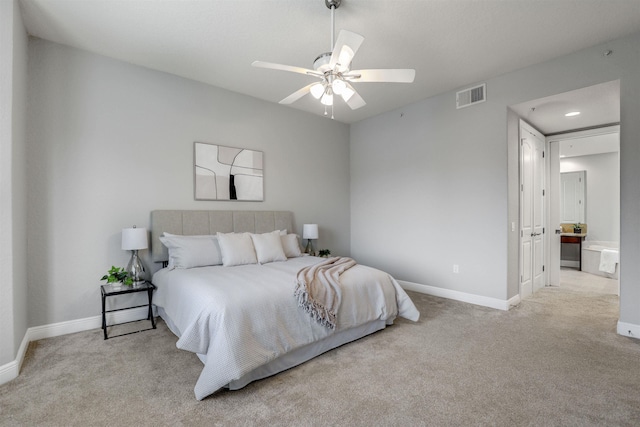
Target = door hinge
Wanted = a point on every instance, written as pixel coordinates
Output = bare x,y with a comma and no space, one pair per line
542,230
543,154
543,268
521,187
542,192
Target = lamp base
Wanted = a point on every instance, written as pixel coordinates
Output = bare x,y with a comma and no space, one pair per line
309,249
136,269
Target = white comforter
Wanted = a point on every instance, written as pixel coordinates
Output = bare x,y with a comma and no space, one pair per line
245,316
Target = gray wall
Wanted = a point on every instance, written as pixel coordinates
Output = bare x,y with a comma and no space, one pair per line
108,142
603,193
435,183
429,191
13,198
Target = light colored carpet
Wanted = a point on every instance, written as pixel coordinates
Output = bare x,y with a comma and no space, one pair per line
553,360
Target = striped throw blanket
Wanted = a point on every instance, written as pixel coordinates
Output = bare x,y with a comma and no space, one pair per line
318,289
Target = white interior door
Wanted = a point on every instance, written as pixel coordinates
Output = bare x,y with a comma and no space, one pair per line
532,213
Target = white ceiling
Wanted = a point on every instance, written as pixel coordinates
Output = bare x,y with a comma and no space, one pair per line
450,43
588,145
598,105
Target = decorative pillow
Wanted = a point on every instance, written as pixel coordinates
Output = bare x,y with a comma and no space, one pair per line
192,251
291,245
237,249
268,247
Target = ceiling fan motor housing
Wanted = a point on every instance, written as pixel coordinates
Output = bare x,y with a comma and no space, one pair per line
321,63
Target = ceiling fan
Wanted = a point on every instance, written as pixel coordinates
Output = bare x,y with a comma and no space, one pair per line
333,69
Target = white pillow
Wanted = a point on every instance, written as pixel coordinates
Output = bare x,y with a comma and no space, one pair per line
237,249
192,251
291,245
268,247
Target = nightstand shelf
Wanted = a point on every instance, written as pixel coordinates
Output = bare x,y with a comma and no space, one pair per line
110,290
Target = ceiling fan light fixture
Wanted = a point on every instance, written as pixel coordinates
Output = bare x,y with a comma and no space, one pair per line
317,90
327,98
338,86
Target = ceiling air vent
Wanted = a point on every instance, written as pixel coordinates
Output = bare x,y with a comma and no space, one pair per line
471,96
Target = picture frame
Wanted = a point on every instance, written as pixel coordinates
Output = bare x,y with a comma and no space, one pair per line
227,173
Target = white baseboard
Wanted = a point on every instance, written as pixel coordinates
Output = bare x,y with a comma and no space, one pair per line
11,370
629,330
512,302
461,296
626,329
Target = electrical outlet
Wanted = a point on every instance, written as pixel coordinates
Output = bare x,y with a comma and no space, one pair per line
456,268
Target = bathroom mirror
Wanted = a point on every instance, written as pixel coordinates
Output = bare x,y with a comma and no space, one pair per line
572,197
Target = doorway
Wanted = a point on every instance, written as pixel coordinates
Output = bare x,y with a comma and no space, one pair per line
599,107
589,163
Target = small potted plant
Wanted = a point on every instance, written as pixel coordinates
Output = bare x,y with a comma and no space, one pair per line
117,276
324,253
577,228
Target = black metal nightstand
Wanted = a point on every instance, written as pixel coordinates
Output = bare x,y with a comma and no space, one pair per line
110,290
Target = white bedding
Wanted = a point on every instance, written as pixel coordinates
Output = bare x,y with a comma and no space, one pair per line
243,317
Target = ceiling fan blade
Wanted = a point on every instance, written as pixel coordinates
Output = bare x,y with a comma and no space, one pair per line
297,95
345,49
290,68
387,75
351,97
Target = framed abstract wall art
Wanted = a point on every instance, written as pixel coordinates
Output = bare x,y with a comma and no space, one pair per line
227,173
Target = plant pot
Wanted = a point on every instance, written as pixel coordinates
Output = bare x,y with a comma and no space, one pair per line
577,230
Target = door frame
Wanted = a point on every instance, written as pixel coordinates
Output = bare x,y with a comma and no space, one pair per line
553,144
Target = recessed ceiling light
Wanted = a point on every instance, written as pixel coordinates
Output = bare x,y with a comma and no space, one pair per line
573,113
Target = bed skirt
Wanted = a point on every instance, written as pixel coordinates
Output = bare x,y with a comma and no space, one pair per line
295,357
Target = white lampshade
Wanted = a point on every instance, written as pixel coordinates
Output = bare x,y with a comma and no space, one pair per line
310,231
134,238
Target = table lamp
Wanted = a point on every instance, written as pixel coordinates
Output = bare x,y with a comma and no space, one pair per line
309,232
134,239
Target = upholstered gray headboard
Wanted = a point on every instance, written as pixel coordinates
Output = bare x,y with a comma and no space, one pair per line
210,222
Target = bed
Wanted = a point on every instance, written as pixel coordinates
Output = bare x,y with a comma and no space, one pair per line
239,314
